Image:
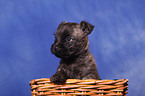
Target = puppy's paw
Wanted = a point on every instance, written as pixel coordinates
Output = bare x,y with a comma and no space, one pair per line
58,79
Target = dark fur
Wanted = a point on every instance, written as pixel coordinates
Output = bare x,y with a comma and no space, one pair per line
72,46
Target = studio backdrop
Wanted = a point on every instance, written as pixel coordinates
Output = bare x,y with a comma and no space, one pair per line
26,35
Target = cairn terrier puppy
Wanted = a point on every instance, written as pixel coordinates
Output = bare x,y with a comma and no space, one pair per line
72,46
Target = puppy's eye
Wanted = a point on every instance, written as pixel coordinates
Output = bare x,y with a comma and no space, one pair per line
68,39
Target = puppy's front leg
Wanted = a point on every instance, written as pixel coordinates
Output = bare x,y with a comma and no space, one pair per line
59,77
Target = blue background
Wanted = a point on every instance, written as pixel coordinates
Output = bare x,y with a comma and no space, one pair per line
26,28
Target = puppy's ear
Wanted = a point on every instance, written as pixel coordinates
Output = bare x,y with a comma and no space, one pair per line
63,22
86,27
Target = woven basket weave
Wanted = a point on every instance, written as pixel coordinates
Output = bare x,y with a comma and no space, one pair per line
75,87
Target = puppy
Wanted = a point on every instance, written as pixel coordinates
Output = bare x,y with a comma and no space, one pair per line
72,46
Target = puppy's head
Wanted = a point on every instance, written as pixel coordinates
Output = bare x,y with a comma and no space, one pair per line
71,39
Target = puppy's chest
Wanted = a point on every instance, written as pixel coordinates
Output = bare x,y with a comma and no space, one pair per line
73,71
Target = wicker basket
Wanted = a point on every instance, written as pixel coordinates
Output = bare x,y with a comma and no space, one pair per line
75,87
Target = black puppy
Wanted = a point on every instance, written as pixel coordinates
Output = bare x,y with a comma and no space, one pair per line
72,46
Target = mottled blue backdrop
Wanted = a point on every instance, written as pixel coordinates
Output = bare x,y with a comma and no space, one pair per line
26,28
